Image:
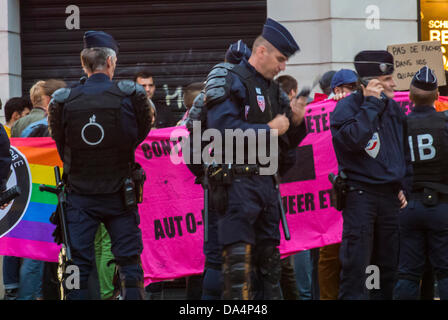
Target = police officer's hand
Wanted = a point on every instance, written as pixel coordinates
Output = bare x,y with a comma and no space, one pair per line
402,199
298,109
280,122
374,88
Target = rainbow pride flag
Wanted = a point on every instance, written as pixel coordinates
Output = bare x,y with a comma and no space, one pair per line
32,237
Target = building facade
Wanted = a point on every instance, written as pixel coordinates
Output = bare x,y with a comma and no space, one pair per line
180,40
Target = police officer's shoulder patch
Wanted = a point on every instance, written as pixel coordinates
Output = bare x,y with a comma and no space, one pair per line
61,95
128,87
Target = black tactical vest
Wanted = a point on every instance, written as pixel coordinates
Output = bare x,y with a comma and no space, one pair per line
96,159
263,100
429,148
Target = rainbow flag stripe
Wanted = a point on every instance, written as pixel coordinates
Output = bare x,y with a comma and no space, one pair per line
32,236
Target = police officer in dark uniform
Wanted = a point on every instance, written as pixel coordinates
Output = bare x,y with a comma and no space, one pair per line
97,127
424,223
368,139
244,96
212,282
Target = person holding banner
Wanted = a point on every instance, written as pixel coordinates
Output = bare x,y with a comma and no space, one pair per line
245,97
343,83
97,126
424,223
368,139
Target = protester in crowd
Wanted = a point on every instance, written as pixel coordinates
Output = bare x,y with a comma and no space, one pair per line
343,83
193,283
99,162
249,229
23,277
325,82
190,93
325,86
48,288
368,139
40,95
146,80
424,222
159,120
39,128
306,260
295,281
16,108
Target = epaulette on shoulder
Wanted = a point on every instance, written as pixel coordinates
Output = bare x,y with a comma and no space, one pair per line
128,87
217,87
61,95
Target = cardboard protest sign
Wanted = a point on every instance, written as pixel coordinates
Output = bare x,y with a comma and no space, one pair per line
410,57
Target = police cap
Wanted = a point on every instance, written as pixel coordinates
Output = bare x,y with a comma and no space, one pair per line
279,37
97,39
425,79
237,51
374,63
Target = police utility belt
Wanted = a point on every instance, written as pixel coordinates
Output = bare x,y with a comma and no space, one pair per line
341,187
224,174
217,178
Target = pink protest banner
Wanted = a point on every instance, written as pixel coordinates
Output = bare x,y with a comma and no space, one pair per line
170,215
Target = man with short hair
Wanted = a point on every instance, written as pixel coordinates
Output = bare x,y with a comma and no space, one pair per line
245,97
146,80
368,139
191,91
16,108
324,84
289,85
40,95
97,126
295,281
424,223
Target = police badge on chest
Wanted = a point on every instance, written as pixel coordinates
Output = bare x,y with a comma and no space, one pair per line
373,146
260,99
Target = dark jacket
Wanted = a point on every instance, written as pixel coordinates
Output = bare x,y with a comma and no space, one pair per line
369,140
231,114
